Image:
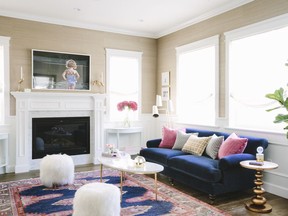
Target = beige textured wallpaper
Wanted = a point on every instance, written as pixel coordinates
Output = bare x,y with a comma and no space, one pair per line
158,55
253,12
28,35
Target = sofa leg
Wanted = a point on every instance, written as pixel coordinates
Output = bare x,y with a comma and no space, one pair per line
212,198
171,181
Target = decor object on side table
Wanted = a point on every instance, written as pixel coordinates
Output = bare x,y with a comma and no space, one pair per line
127,106
260,155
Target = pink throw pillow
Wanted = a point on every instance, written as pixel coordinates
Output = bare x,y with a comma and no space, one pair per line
168,137
232,145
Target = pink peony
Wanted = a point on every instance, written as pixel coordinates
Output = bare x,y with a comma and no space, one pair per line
133,105
129,104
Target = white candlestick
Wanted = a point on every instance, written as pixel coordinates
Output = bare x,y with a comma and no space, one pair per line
21,73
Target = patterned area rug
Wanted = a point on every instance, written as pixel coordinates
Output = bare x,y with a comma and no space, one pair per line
29,197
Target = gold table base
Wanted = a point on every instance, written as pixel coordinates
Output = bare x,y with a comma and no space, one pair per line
266,208
122,174
258,202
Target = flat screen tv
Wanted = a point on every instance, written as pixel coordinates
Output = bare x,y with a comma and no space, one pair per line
60,71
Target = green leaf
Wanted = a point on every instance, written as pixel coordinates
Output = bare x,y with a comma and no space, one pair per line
281,118
277,95
286,104
274,108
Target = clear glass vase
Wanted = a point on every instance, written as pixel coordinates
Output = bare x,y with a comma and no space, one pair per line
127,119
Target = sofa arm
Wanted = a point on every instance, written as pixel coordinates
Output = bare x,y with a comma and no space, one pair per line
234,160
153,143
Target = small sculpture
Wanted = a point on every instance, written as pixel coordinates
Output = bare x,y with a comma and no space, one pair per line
139,161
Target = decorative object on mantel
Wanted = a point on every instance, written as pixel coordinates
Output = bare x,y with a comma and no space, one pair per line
97,83
21,79
48,65
127,106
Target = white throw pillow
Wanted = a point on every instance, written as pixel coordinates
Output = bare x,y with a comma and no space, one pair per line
213,146
181,139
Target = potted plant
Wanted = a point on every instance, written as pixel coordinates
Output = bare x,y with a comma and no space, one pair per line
280,96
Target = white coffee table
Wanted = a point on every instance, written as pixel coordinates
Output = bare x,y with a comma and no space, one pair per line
126,164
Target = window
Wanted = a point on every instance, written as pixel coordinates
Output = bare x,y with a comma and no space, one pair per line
123,80
256,66
197,75
4,79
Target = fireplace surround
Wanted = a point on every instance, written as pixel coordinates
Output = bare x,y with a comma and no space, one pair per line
30,105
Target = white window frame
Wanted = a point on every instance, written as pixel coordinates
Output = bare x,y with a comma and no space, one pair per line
247,31
201,44
5,42
123,53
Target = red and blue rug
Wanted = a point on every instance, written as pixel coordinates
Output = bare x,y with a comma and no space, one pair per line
29,197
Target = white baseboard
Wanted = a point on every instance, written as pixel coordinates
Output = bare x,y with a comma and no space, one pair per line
276,189
10,169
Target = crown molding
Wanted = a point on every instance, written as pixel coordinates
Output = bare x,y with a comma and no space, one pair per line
155,35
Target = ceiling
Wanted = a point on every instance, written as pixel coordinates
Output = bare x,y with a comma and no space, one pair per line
148,18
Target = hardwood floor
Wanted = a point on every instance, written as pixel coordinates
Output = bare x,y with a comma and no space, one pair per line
231,203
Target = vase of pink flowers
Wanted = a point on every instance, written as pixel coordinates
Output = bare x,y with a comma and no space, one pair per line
127,106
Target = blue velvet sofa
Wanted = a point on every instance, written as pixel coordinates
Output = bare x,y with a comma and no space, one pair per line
214,177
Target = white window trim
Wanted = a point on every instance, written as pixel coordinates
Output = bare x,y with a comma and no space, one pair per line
5,41
247,31
207,42
123,53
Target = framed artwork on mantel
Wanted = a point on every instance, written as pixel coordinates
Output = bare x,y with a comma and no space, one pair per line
60,71
165,79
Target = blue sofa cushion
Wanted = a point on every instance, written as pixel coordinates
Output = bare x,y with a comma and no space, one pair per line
161,155
201,167
232,161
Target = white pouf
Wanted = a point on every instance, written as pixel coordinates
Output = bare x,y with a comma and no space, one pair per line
56,169
99,199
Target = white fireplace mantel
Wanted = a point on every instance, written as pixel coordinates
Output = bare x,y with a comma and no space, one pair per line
56,104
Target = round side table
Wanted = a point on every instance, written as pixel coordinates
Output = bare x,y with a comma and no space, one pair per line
258,202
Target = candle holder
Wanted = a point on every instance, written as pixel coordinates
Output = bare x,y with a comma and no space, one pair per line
19,84
260,155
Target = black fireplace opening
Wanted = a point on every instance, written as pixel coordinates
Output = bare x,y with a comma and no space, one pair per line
66,135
